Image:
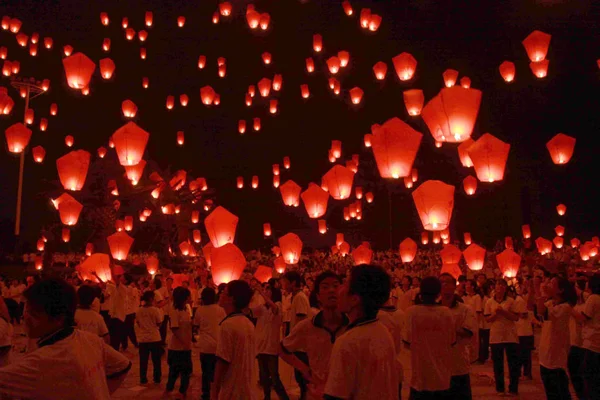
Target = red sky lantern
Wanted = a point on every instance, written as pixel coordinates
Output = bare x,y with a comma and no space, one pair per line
145,82
369,197
286,162
170,103
184,99
560,230
322,225
266,57
450,76
15,25
276,181
347,8
405,65
273,106
263,274
434,201
339,181
474,257
509,263
408,183
365,18
101,152
48,42
575,243
333,64
38,153
277,82
215,17
69,210
180,21
414,174
78,69
119,244
356,95
536,45
507,71
413,101
67,50
374,22
125,22
310,65
3,53
225,8
470,185
254,181
344,58
107,68
290,193
148,18
256,124
29,116
489,155
344,249
264,21
227,263
450,254
6,102
539,68
130,143
128,223
72,169
395,145
304,91
558,242
291,248
463,155
526,231
22,39
242,126
66,235
143,53
267,229
561,148
451,114
33,48
129,109
465,82
89,249
424,238
207,95
129,33
467,238
508,243
315,200
380,70
362,255
252,17
43,124
142,35
275,169
408,250
544,246
561,209
221,226
134,172
201,62
264,87
17,137
317,43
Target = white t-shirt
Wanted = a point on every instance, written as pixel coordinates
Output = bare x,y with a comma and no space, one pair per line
300,307
256,300
133,300
182,321
147,320
591,327
464,318
393,319
474,303
118,300
503,330
555,340
208,318
286,303
236,347
75,367
405,298
268,329
90,321
524,324
483,324
431,333
363,364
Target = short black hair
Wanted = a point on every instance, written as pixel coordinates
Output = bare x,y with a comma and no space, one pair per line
373,285
241,293
148,297
322,276
430,289
55,297
275,294
293,277
447,275
85,296
180,296
208,296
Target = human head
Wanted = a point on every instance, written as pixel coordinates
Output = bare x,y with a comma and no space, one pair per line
85,296
274,294
501,288
169,282
430,289
594,284
50,306
185,284
406,281
471,287
367,289
326,289
157,283
291,280
236,296
208,296
481,279
448,284
416,281
148,298
180,296
562,290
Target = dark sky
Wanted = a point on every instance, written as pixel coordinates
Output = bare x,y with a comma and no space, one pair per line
471,37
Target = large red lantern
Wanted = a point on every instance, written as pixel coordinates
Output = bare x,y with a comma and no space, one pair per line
69,210
413,101
434,201
362,255
220,226
315,200
558,242
450,254
290,193
408,250
451,114
544,246
134,172
405,65
536,44
561,148
509,263
78,69
119,244
227,263
539,68
338,181
291,248
96,264
395,145
73,168
489,155
17,137
465,160
263,274
130,143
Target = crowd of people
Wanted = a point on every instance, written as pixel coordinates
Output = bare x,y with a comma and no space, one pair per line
341,327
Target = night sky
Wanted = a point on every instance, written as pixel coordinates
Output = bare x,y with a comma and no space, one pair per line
471,37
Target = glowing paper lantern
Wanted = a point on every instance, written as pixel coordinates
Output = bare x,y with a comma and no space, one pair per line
263,274
575,243
264,87
48,42
180,21
286,162
434,201
463,155
405,65
38,153
536,44
508,243
450,76
558,242
365,18
451,114
78,69
561,209
6,102
526,231
344,58
369,197
96,264
508,262
344,249
395,145
72,169
254,182
333,64
277,82
507,71
130,143
227,263
276,181
290,193
539,68
474,257
413,101
450,254
267,229
408,249
356,95
17,137
465,82
43,124
561,148
170,103
362,255
291,248
339,181
322,225
544,246
315,200
220,226
560,230
317,43
129,109
380,70
134,172
467,238
347,8
470,185
69,140
119,244
489,155
66,235
69,210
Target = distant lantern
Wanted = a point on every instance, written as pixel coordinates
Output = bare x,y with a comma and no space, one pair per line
434,201
291,248
66,235
463,155
29,116
267,229
107,68
374,22
128,223
48,42
148,18
575,243
465,82
276,181
450,254
264,87
558,242
266,57
304,91
183,100
315,200
221,225
358,192
17,137
256,124
134,172
290,193
225,8
408,183
180,21
561,209
125,22
72,169
356,95
467,238
317,43
408,250
227,263
362,255
536,45
336,148
450,76
69,210
22,39
424,238
310,65
489,155
129,33
101,152
405,65
142,35
474,257
507,71
254,182
368,138
129,109
561,148
120,244
526,231
395,145
277,82
252,17
560,230
365,18
180,138
241,126
322,225
509,263
130,143
67,50
276,169
286,162
215,17
143,53
344,58
451,114
145,82
539,68
414,174
106,48
38,153
78,69
413,101
333,64
544,246
264,21
347,8
339,181
170,102
196,236
369,197
207,95
470,185
380,70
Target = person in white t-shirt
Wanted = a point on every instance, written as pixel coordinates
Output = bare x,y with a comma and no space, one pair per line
393,319
87,319
180,345
69,364
6,332
147,321
474,301
207,319
554,304
236,349
363,360
503,313
591,339
131,306
404,294
525,334
429,334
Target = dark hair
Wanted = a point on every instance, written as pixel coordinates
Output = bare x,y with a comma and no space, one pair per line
85,296
157,283
430,289
148,297
373,285
293,277
409,279
474,285
569,294
55,297
462,278
272,282
241,293
447,275
313,301
502,282
594,284
322,276
275,294
208,296
128,279
180,296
